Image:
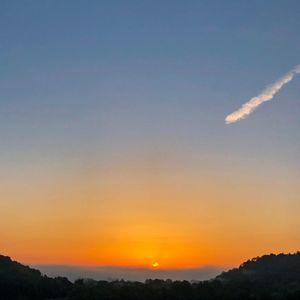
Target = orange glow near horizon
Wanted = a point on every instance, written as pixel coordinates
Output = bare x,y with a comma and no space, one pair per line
106,218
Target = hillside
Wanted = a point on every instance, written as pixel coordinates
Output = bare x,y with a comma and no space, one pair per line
268,277
281,269
275,276
21,282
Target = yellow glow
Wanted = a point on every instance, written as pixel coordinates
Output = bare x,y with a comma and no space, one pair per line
155,265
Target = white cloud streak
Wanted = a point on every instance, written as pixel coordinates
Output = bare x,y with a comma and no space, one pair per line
266,95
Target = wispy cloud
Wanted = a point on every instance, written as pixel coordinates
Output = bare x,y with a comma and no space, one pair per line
266,95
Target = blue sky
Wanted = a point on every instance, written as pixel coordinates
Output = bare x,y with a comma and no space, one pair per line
138,70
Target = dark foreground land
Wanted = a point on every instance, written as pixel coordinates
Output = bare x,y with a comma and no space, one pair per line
267,277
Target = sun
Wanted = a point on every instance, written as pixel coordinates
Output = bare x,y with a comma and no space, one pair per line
155,264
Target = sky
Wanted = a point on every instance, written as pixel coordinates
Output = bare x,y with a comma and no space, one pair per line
113,146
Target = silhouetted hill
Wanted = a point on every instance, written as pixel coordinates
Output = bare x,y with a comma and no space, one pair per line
278,275
21,282
281,269
270,277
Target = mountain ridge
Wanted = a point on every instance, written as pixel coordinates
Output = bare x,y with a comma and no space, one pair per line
262,278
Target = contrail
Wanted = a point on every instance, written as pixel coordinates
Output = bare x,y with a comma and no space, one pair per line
266,95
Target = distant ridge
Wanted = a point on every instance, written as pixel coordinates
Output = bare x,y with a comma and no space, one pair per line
270,277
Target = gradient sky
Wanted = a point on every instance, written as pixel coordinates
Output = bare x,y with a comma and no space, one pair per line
113,146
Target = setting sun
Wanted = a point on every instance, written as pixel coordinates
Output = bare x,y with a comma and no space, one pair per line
155,264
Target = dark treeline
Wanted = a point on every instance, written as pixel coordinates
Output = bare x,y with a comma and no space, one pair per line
21,282
268,277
